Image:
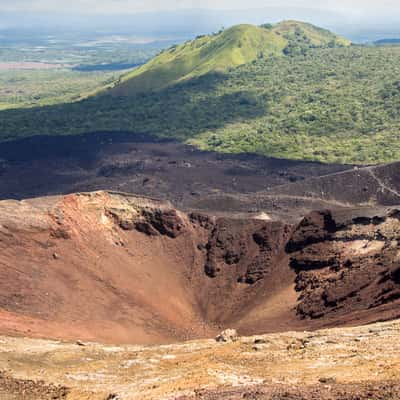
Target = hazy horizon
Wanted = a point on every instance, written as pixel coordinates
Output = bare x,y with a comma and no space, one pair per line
360,21
355,7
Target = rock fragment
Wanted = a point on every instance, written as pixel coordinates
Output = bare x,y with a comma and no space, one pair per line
228,335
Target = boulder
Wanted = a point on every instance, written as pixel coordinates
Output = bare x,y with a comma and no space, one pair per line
228,335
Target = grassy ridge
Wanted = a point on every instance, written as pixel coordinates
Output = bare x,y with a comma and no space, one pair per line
316,98
308,33
235,46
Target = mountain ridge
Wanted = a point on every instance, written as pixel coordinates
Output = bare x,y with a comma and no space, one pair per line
331,104
235,46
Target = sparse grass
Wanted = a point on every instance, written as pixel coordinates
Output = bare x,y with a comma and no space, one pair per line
236,46
30,88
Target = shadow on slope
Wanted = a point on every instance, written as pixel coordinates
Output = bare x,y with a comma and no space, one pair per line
181,111
370,185
43,165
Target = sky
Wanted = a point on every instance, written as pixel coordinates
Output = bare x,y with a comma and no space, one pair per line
356,7
359,20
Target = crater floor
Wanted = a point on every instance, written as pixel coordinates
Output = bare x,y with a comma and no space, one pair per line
346,363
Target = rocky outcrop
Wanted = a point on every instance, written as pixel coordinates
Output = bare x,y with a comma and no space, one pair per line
228,335
147,271
249,248
154,218
347,263
117,267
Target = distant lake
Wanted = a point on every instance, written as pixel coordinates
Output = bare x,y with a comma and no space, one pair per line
388,41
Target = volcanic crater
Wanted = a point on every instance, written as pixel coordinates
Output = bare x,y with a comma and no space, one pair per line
114,267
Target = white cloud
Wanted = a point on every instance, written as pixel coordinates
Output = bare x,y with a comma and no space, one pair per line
356,7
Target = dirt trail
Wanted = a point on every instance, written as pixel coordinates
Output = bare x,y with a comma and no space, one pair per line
382,184
358,186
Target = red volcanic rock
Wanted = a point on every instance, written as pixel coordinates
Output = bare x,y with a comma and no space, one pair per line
121,268
349,267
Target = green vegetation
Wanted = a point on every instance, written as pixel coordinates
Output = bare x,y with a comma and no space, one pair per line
307,35
79,51
87,65
333,103
29,88
236,46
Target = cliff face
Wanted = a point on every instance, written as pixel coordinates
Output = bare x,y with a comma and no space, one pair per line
121,268
347,264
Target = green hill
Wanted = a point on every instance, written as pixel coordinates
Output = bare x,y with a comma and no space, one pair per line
305,94
302,33
230,48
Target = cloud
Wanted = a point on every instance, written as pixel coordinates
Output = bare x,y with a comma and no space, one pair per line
135,6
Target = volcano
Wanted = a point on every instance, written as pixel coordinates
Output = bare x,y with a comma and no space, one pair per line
115,267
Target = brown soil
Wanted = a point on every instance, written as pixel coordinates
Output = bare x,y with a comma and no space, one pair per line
240,248
190,178
346,363
121,268
369,185
17,389
366,391
225,185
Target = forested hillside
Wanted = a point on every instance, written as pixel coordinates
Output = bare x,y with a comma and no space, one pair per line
224,50
332,104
